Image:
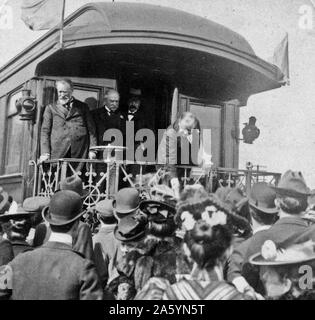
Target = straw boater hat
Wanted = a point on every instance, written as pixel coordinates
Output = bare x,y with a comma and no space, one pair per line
292,184
295,254
262,197
16,212
65,207
74,183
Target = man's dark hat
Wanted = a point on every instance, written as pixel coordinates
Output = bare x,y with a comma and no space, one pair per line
36,204
135,92
4,201
65,207
262,197
131,228
127,200
74,183
292,184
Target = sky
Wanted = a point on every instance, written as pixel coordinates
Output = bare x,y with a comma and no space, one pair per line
286,116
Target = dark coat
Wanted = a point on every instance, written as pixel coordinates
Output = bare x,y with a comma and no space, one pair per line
54,272
20,247
286,229
63,131
82,242
6,252
139,119
238,264
104,121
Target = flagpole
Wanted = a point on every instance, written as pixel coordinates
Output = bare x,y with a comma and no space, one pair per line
62,23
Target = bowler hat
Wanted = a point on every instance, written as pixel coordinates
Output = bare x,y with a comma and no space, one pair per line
106,211
36,204
292,184
270,255
4,201
65,207
262,197
126,201
131,228
74,183
15,212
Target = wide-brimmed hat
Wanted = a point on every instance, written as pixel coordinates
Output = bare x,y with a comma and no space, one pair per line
295,254
36,204
65,207
106,211
126,201
262,197
4,201
131,228
74,183
157,210
292,184
16,212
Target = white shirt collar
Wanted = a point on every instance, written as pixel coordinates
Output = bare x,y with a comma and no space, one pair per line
262,228
60,237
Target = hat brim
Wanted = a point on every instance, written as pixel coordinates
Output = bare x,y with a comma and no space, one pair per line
7,217
258,260
47,218
265,210
146,203
119,237
124,212
290,193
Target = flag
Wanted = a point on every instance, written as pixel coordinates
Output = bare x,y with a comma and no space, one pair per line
42,14
281,58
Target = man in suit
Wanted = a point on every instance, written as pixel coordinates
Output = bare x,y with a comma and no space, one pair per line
292,195
106,247
264,214
68,129
107,119
54,271
135,117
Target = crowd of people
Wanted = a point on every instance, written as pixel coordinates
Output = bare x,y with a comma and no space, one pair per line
200,246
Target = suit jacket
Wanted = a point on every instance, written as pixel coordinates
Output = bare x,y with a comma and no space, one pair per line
20,247
107,253
6,252
285,230
82,242
104,121
238,264
54,272
64,130
139,119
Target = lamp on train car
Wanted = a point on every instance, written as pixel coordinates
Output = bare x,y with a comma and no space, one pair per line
27,106
250,132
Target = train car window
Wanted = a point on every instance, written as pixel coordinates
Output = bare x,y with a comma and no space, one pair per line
89,96
14,137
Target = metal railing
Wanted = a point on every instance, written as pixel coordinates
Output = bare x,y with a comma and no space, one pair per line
95,175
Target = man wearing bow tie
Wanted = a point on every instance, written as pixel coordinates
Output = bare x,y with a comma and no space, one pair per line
68,130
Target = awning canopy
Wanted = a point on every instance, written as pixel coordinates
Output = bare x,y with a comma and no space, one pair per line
202,57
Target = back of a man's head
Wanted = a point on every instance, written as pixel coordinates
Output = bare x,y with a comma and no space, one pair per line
292,205
263,218
67,229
